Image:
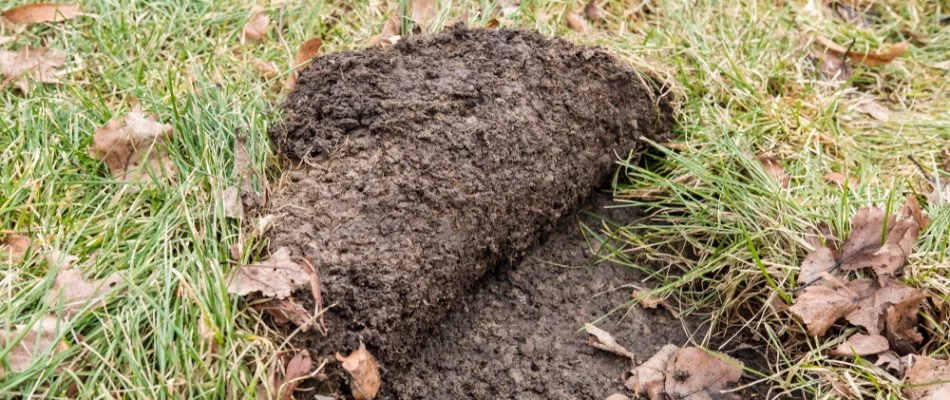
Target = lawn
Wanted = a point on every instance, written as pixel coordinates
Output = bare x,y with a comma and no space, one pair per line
750,81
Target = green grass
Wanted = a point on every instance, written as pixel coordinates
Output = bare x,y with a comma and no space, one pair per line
744,83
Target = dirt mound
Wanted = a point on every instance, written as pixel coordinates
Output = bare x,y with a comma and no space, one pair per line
437,161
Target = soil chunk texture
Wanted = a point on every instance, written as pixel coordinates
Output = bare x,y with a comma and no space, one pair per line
446,158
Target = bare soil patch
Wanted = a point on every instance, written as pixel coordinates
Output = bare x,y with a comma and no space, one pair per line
431,165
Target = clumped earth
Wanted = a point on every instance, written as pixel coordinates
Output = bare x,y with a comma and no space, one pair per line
436,163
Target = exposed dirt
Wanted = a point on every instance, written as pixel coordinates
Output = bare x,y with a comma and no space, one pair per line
431,164
516,336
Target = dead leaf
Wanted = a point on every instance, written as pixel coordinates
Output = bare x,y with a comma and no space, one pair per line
29,64
834,67
892,362
841,180
874,299
695,374
901,323
364,373
820,306
38,342
601,339
422,13
276,277
873,59
928,379
773,167
71,293
133,146
862,345
617,396
266,69
575,22
13,247
297,368
940,195
307,51
41,12
286,310
686,373
816,263
231,197
649,378
875,110
256,27
390,34
592,12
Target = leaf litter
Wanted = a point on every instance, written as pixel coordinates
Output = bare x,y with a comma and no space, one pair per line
601,339
257,25
686,373
29,64
41,13
285,382
134,146
364,373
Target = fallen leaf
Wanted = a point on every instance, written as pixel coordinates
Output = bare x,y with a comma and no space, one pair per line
875,110
862,345
297,368
901,323
773,167
646,300
71,293
870,58
285,311
649,378
575,22
617,396
892,362
592,12
940,195
816,263
13,247
60,260
307,51
390,34
31,64
834,67
133,146
256,27
694,374
820,306
364,373
928,379
231,197
874,299
266,69
686,373
601,339
276,277
38,342
41,12
422,13
841,180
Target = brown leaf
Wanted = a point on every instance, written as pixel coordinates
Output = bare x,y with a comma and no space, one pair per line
646,301
696,374
276,277
617,396
649,378
71,293
13,247
901,323
834,67
364,373
29,64
592,12
286,310
862,345
256,27
874,300
307,51
297,368
685,373
773,167
878,58
892,362
266,69
133,146
422,13
841,180
820,306
928,379
575,22
816,263
390,34
601,339
38,342
41,12
940,195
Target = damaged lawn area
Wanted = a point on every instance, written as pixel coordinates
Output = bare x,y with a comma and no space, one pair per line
797,219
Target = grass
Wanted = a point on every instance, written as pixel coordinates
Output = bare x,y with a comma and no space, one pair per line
730,238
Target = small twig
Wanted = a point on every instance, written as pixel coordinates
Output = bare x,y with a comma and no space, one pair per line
812,282
931,178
